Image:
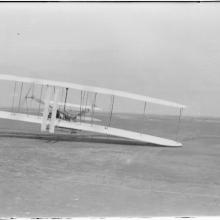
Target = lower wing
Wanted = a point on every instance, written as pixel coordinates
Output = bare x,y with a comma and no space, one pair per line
92,128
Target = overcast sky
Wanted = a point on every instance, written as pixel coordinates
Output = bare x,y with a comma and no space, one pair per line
165,50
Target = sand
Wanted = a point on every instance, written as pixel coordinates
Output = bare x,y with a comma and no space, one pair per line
81,174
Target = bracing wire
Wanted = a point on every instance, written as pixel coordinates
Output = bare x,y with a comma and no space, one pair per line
28,93
32,96
26,101
80,107
62,93
144,113
61,99
27,111
87,96
85,103
178,125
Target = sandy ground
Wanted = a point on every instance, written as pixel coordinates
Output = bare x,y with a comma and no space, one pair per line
90,175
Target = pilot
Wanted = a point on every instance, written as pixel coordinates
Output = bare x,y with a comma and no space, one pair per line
58,115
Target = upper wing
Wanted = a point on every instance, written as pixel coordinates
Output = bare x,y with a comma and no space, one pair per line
91,89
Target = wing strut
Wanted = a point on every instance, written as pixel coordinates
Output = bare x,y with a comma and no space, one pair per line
65,99
19,103
54,110
41,91
179,121
46,108
111,110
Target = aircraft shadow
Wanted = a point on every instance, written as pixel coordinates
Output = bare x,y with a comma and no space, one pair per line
100,139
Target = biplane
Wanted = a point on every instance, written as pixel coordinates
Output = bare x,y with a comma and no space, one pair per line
54,110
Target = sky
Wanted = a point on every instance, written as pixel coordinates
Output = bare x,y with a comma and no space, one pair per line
164,50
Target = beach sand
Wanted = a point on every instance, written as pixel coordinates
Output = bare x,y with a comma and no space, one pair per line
82,174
